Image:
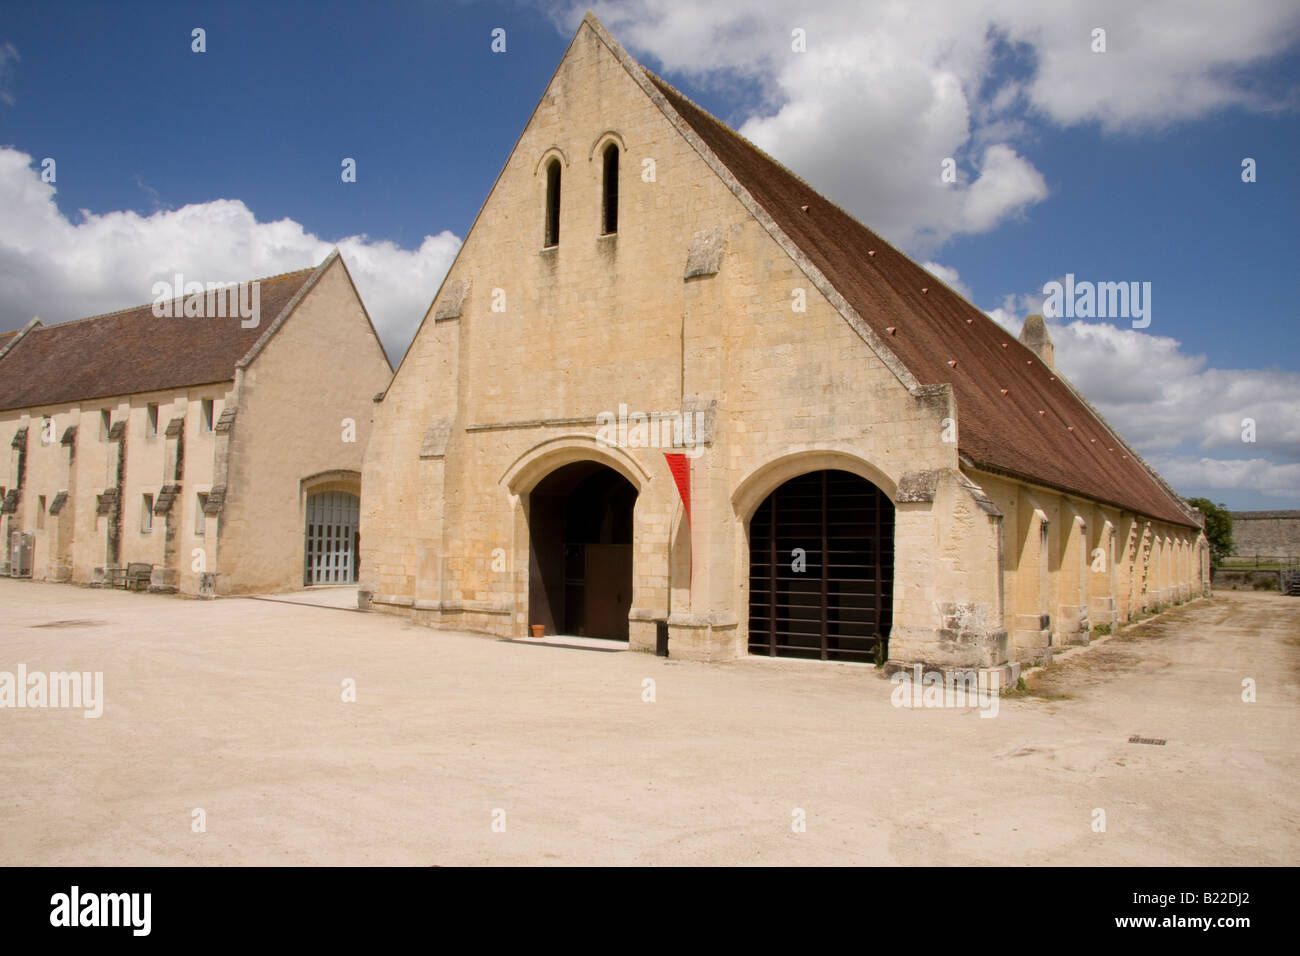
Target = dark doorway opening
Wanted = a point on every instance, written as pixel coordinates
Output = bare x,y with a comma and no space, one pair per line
580,551
821,569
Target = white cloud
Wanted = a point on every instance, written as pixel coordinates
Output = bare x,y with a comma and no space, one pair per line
1163,399
1183,415
1006,185
1011,313
1166,60
58,269
1217,476
887,91
950,277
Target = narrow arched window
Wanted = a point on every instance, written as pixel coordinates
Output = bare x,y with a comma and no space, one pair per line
553,203
610,218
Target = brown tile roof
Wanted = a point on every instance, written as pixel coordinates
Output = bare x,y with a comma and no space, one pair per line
1024,432
130,351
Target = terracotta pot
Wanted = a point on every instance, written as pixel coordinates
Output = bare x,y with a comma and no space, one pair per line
539,630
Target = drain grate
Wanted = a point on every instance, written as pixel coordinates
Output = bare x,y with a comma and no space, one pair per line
1155,741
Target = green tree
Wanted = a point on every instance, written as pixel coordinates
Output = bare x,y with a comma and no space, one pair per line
1218,528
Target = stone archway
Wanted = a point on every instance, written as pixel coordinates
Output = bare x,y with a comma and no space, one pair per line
331,503
580,557
821,569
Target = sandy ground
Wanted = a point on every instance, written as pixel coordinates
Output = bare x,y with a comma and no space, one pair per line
344,598
235,707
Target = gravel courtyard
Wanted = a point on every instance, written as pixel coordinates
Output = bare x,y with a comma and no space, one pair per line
235,707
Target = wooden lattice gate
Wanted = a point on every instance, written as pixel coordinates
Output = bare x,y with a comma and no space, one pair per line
821,569
331,545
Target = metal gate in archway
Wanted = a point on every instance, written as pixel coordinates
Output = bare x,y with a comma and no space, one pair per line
821,569
332,538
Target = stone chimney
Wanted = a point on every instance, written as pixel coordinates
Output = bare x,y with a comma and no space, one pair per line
1034,336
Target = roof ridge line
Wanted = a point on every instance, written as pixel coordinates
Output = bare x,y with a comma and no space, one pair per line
1178,499
725,128
768,156
144,305
308,284
815,191
32,325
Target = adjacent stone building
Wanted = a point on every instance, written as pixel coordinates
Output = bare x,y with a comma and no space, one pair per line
217,453
666,381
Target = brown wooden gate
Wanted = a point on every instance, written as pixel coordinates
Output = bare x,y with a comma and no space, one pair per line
821,569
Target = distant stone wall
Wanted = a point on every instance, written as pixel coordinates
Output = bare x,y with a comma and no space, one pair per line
1275,533
1246,579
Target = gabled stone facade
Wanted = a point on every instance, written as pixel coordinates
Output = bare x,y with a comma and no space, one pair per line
714,294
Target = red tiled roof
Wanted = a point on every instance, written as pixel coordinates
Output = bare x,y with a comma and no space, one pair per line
130,351
1025,432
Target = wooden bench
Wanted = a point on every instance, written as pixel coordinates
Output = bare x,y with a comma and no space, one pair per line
137,576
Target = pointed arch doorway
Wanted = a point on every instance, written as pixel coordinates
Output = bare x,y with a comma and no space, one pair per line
580,558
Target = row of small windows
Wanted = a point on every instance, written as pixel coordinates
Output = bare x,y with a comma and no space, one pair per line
207,409
609,196
146,513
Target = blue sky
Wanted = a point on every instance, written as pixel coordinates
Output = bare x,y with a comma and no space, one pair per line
1122,165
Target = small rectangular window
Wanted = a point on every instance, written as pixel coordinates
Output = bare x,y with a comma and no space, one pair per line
207,415
553,203
151,429
610,224
40,512
105,423
146,514
200,517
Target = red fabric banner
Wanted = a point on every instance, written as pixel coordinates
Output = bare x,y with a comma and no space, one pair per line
680,466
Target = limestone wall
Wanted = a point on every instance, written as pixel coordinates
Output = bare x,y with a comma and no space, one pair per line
1269,533
1101,566
302,408
70,546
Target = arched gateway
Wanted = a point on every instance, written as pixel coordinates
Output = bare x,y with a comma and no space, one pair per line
821,569
580,551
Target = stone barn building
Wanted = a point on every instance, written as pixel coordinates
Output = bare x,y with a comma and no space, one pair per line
218,454
665,380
